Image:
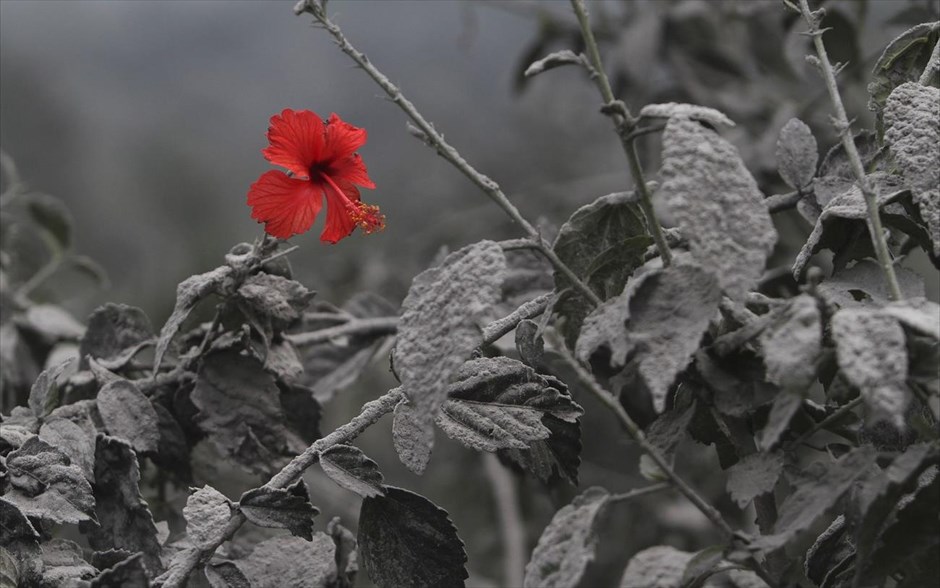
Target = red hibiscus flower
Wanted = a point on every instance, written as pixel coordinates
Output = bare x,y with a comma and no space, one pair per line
321,159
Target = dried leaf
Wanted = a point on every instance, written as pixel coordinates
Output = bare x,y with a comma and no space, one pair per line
568,543
717,205
558,455
656,567
792,342
290,561
74,441
753,476
551,61
44,485
410,438
529,342
207,514
128,414
279,508
349,467
439,329
44,396
63,563
129,573
917,314
406,540
797,154
864,284
112,329
498,403
226,575
275,300
687,112
785,405
872,353
902,61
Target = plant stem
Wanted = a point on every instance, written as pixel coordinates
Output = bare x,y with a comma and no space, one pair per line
511,523
933,66
844,127
435,139
384,325
624,124
498,328
835,416
637,492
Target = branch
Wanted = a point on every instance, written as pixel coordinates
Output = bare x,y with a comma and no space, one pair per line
624,124
779,202
385,325
844,127
496,329
426,131
511,523
933,66
638,492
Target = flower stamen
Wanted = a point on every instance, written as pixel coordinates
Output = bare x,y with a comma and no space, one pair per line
367,216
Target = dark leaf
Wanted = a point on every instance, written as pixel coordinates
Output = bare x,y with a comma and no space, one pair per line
792,342
669,429
276,301
717,205
45,394
529,342
128,414
74,441
656,567
903,60
302,411
112,329
226,575
172,450
283,361
63,562
832,555
785,405
349,467
559,455
275,507
797,154
290,561
753,476
407,541
498,403
701,564
109,558
568,543
130,573
44,485
207,514
439,329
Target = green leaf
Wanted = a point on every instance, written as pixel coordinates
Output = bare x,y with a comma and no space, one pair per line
568,543
903,60
349,467
406,540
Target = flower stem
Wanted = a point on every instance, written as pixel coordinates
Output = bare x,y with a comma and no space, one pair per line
844,127
624,124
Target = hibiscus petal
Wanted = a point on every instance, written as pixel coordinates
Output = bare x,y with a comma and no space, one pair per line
351,169
296,139
339,223
342,139
287,206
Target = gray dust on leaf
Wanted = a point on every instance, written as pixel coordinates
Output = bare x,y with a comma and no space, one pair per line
352,469
797,154
128,414
207,514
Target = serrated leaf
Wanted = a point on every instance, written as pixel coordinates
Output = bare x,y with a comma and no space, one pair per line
657,322
63,562
207,513
686,111
112,329
44,396
406,540
409,438
567,544
753,476
129,573
864,284
872,353
785,405
72,440
832,551
817,491
797,154
558,455
611,226
128,414
498,403
656,567
44,485
279,508
124,519
275,300
912,122
903,60
188,293
439,328
349,467
551,61
240,408
792,342
19,542
716,204
290,561
226,575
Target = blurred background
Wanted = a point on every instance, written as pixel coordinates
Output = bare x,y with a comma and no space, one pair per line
147,118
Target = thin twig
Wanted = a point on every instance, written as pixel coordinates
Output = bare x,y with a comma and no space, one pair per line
496,329
780,202
835,416
511,523
933,66
384,325
845,131
637,492
624,124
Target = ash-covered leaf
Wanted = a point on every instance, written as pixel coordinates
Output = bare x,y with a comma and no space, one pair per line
44,485
796,154
701,564
786,404
717,205
226,574
871,351
792,342
498,403
124,519
687,111
128,414
557,456
50,323
283,361
279,508
917,314
440,328
830,553
291,561
45,394
567,544
529,342
666,312
903,60
352,469
129,573
74,441
189,292
406,540
207,513
63,563
275,300
240,409
912,123
603,243
410,438
818,490
9,569
656,567
754,475
669,429
347,560
551,61
19,542
112,329
173,448
864,284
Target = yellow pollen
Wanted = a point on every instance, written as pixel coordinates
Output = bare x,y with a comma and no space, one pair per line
368,217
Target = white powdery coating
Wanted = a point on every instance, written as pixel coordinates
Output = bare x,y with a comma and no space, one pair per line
656,567
912,130
207,513
796,154
872,353
918,314
717,205
687,111
567,544
791,344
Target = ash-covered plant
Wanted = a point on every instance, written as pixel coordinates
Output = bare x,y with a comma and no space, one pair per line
819,399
